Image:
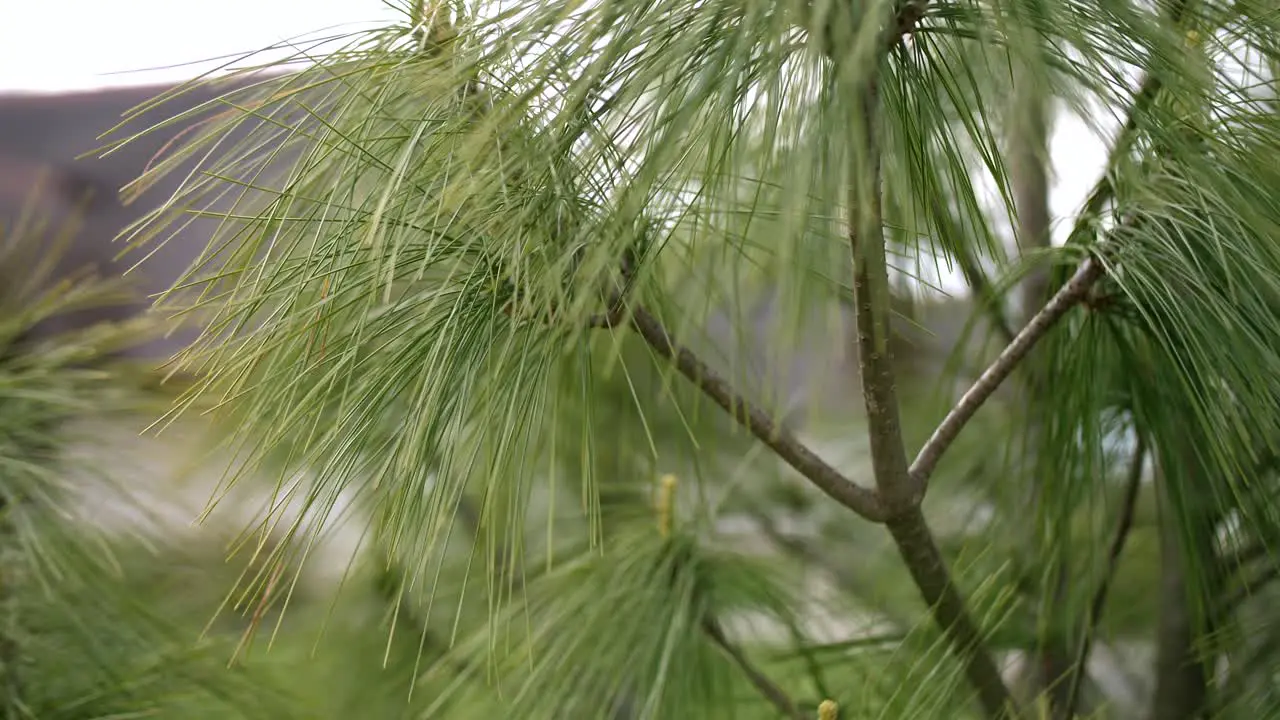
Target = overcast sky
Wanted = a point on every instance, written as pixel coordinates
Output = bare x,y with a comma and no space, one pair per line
72,44
52,45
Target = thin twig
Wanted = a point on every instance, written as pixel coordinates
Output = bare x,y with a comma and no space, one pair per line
1124,523
1245,556
807,551
803,552
1104,190
830,481
1072,293
1246,589
766,687
984,293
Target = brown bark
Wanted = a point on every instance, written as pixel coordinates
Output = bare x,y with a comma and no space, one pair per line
1187,547
900,491
1181,689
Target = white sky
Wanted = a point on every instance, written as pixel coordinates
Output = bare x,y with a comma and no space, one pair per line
53,45
50,45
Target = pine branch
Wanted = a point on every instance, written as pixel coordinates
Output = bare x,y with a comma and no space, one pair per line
895,483
1072,293
896,489
906,15
830,481
774,694
1105,189
616,313
928,570
1124,523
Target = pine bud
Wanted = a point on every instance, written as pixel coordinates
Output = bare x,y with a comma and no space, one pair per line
666,494
828,710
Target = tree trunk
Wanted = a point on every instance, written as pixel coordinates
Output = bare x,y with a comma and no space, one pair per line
1028,155
1182,673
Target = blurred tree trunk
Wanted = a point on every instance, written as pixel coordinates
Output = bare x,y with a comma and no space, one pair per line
1189,582
1029,168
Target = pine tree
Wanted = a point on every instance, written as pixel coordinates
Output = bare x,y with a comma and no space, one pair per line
534,291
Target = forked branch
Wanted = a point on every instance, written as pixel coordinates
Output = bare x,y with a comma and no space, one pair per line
894,484
899,486
830,481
